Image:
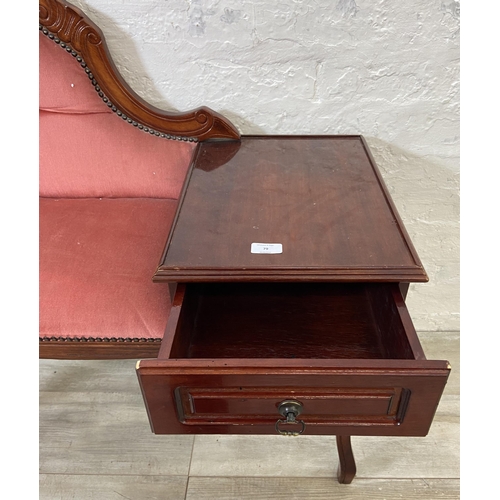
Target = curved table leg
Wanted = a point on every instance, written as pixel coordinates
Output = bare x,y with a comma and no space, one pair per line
347,465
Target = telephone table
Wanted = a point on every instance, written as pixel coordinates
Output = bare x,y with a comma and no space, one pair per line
289,267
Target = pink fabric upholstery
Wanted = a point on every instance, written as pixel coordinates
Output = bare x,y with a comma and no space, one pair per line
64,85
96,262
99,155
108,199
88,151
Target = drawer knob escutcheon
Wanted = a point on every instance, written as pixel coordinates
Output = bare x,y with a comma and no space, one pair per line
290,409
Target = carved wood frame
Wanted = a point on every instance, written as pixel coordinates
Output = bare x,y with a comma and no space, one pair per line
99,348
74,32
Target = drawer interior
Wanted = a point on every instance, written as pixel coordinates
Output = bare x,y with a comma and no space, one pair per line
290,320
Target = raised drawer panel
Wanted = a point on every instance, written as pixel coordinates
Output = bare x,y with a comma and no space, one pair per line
254,405
367,397
347,353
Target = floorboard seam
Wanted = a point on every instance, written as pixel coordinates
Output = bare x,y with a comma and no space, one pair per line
364,478
41,473
187,488
191,456
438,331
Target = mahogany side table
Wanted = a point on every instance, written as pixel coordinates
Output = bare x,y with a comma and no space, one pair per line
289,268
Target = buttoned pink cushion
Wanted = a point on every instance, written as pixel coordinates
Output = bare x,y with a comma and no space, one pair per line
97,258
88,151
64,85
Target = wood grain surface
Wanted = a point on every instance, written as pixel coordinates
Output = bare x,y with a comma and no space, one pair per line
322,198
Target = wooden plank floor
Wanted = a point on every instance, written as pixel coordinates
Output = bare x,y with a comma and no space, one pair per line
95,442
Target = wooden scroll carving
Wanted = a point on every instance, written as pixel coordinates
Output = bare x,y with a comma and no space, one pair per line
77,34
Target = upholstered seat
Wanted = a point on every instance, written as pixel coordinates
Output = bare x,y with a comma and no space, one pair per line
112,168
108,194
97,257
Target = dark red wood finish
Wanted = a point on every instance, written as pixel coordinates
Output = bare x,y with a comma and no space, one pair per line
323,324
82,40
233,351
347,465
73,349
68,25
292,320
322,198
335,336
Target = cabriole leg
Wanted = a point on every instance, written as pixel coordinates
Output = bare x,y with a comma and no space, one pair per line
347,465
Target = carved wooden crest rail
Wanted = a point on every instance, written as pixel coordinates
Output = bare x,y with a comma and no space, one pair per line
69,27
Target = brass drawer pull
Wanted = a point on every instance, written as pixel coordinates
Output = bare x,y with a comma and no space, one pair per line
290,409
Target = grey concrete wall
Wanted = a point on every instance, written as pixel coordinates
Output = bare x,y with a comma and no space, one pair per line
387,69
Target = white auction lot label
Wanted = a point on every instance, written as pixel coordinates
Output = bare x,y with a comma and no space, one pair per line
266,248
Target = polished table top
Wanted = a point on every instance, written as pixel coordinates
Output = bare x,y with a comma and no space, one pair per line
280,208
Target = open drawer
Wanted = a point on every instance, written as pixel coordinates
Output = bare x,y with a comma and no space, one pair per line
345,355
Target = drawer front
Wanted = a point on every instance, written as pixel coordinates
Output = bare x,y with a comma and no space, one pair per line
258,405
395,398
